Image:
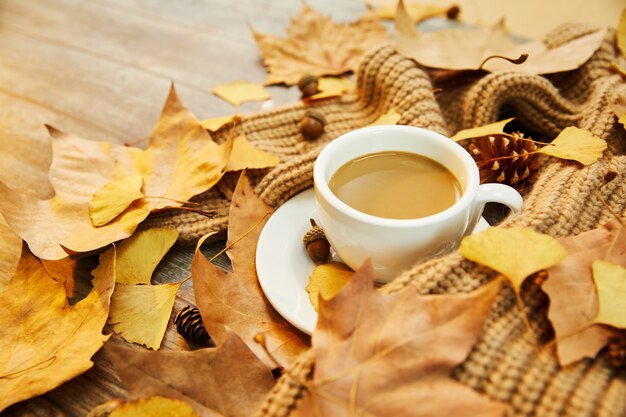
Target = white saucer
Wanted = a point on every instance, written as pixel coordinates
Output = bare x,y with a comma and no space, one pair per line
282,264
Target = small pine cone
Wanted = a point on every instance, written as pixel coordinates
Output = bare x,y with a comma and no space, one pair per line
517,160
617,350
189,325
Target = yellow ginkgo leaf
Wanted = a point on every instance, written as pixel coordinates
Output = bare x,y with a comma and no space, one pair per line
621,33
238,92
327,280
610,281
417,11
139,313
10,252
115,197
576,144
138,256
389,118
485,130
154,407
245,155
332,87
516,252
216,123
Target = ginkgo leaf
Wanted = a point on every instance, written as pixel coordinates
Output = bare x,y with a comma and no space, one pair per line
237,92
516,252
489,48
621,33
316,45
389,118
393,355
245,155
216,123
180,161
327,280
44,341
62,271
332,87
610,281
227,380
235,299
618,106
10,252
153,407
115,197
485,130
576,144
139,255
140,313
417,11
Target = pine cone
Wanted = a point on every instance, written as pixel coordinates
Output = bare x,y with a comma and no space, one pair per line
189,325
504,158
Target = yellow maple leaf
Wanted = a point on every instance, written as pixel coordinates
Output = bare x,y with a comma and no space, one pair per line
610,281
237,92
485,130
180,161
62,271
516,252
389,118
138,256
576,144
332,87
115,197
245,155
54,341
140,313
216,123
621,33
10,252
326,281
316,45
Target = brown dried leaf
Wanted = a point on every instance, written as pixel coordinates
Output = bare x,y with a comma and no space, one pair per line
227,380
235,299
180,162
490,49
390,355
573,298
316,45
43,340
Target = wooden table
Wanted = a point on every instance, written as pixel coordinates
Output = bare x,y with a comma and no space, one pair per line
102,69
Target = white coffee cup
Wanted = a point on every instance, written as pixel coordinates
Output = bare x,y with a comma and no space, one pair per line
395,244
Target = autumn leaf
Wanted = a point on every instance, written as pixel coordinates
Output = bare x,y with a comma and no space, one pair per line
610,281
417,11
484,130
315,45
115,197
245,155
228,380
153,407
389,118
139,255
216,123
390,355
62,271
235,299
140,313
489,48
331,87
576,144
10,252
621,33
326,281
573,300
618,106
181,161
516,252
238,92
44,341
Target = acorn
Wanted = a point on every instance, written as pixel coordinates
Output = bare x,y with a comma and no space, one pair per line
312,125
308,85
316,244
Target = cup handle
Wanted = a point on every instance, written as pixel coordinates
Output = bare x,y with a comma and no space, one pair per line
495,193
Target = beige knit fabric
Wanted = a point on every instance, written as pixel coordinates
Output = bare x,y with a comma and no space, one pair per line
563,200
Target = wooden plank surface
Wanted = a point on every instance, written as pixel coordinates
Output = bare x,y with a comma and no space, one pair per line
101,70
